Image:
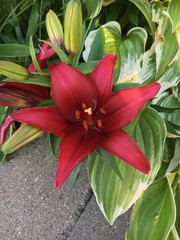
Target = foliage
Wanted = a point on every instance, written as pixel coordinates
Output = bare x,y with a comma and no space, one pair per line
145,35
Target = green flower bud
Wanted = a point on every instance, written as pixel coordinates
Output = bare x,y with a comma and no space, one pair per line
73,27
54,28
23,135
13,70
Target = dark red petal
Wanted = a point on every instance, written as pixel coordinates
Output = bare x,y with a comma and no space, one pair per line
28,91
124,106
70,89
45,118
102,75
76,145
120,144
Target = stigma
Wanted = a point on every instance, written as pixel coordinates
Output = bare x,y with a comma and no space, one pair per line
88,110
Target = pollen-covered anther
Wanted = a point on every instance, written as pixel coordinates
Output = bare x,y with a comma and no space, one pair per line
84,106
77,114
88,110
102,110
99,122
85,124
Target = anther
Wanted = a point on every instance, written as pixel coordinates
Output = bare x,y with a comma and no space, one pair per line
99,122
84,106
77,114
85,124
102,110
88,110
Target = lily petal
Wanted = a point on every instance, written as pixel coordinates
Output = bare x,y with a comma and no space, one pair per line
102,75
124,106
75,146
45,118
70,89
123,146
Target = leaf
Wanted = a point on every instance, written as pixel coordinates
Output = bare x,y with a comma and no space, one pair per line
33,55
2,156
87,67
54,144
177,199
33,21
42,81
173,234
14,50
174,12
154,213
131,54
93,7
58,50
115,196
145,7
166,44
74,176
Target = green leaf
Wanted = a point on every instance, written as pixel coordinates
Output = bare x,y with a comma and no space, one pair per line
166,44
58,50
93,7
177,199
54,144
145,7
131,54
43,81
173,234
115,196
74,176
174,12
2,156
14,50
33,21
33,55
154,213
87,67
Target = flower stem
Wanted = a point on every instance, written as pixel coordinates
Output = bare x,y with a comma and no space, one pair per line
70,59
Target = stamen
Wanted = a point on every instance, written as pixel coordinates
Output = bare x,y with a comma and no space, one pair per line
102,110
85,124
84,106
77,114
88,110
99,122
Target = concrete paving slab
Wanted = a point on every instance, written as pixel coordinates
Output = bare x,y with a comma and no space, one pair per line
30,207
93,226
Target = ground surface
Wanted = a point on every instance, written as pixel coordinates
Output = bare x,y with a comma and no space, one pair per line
31,209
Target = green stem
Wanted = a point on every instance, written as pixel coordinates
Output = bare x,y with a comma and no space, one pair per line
70,59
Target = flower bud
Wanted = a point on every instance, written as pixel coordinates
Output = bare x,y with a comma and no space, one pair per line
54,28
73,27
23,135
13,70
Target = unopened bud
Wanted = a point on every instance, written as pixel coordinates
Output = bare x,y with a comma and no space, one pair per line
23,135
73,27
54,28
13,70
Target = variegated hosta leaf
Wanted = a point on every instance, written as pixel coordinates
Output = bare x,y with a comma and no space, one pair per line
133,65
114,195
145,7
174,13
103,41
93,7
131,54
166,45
107,2
154,213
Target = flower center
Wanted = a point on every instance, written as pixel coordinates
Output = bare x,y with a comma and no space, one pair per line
90,117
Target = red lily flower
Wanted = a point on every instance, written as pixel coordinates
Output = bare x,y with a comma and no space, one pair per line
45,52
89,114
15,94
